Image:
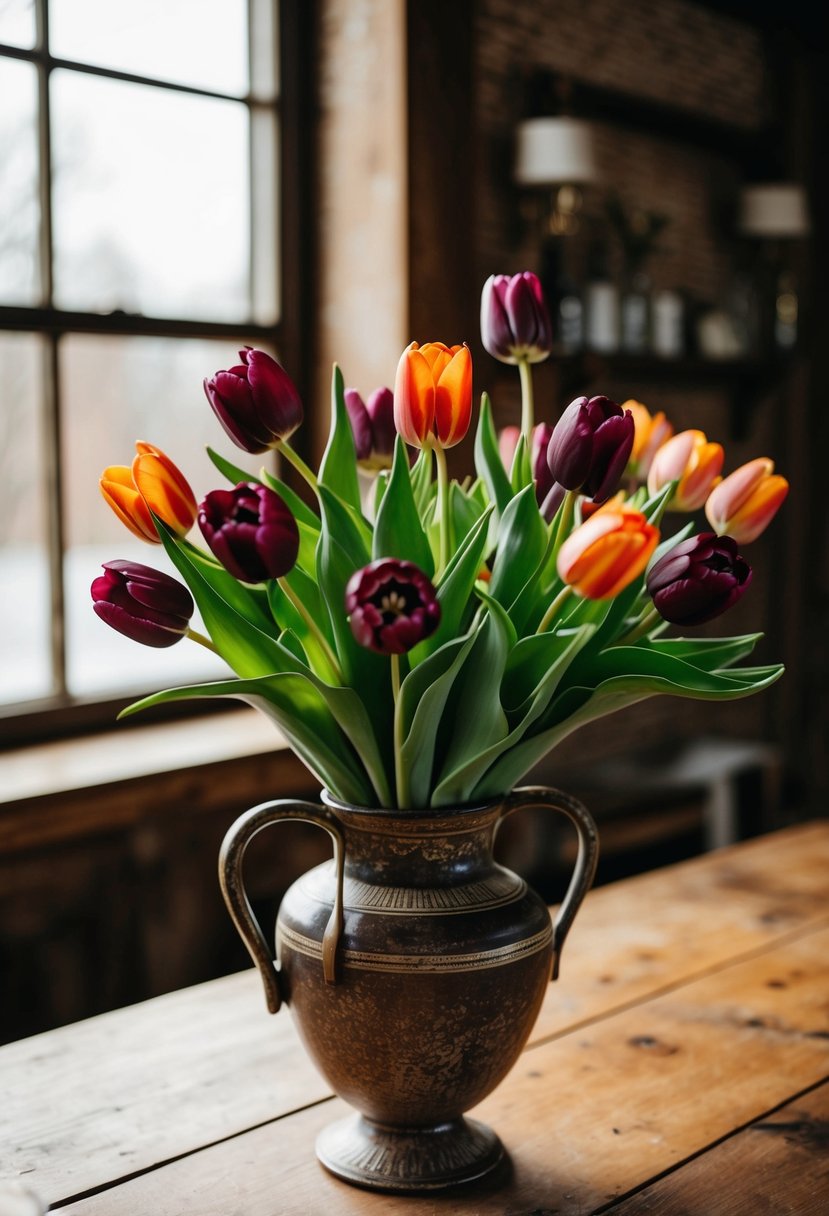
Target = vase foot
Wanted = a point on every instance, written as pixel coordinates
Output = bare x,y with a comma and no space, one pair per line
408,1159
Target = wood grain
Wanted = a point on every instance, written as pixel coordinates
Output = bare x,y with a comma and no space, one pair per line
101,1100
586,1118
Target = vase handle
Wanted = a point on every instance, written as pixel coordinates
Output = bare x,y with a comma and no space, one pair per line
588,855
231,880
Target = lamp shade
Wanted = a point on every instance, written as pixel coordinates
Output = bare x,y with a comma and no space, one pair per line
550,150
773,209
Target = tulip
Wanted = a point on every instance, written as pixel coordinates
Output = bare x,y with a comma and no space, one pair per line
433,394
515,323
650,432
694,463
256,401
698,579
590,446
372,424
746,501
251,531
391,605
606,553
153,484
142,603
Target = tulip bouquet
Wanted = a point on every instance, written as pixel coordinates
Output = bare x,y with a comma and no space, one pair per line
427,645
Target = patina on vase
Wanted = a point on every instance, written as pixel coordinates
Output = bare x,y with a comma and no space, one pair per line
415,966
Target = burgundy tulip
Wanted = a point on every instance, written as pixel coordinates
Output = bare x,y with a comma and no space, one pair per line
698,579
515,323
372,424
251,531
590,446
392,606
142,603
256,402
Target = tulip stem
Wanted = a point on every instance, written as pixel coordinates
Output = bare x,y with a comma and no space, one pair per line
563,521
195,636
285,449
399,768
527,405
443,510
553,611
313,627
644,625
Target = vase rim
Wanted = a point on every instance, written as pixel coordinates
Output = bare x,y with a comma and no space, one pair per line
411,813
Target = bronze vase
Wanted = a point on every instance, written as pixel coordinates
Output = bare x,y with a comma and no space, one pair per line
415,967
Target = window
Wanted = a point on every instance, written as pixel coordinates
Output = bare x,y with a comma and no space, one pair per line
139,248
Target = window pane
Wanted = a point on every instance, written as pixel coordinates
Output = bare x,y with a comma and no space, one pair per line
25,666
151,200
17,22
195,42
117,390
19,207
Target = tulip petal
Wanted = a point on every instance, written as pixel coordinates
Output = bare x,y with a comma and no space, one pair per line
360,423
703,473
453,399
757,513
127,503
734,490
414,398
165,490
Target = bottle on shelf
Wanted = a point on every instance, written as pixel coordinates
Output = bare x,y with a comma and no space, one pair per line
668,330
563,294
601,303
636,320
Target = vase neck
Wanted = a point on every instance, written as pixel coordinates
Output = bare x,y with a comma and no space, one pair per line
399,849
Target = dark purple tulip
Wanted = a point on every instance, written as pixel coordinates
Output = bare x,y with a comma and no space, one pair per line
392,606
543,478
590,447
372,424
698,579
142,603
256,402
515,323
251,531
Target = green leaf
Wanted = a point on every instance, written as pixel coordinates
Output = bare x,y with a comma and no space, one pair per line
455,590
302,716
465,511
423,487
521,473
398,531
229,470
338,468
288,617
423,695
522,546
233,623
488,461
475,712
711,654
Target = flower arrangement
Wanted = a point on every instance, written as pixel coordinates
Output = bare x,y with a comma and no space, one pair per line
427,650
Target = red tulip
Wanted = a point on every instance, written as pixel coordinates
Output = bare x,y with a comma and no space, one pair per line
142,603
251,531
392,606
256,401
590,446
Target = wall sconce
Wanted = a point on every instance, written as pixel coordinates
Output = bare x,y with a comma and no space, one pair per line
556,152
775,213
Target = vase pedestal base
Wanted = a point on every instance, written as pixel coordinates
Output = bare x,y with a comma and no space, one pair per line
408,1159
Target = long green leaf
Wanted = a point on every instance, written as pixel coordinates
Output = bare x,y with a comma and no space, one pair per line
234,475
455,590
398,531
522,545
488,461
709,653
338,467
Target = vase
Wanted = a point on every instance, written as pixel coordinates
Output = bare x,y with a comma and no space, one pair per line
415,966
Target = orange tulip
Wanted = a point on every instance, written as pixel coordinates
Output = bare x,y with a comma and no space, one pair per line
745,502
651,431
433,394
153,484
689,459
607,551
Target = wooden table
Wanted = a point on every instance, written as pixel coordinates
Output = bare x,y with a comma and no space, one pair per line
680,1066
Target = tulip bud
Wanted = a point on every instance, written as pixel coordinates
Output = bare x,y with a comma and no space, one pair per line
251,531
607,552
650,432
694,463
153,484
372,424
745,502
392,606
515,323
433,394
142,603
698,579
590,446
256,402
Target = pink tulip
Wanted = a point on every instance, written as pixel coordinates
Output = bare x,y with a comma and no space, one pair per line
745,502
694,463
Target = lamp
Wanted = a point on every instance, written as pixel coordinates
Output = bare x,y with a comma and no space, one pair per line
777,212
556,151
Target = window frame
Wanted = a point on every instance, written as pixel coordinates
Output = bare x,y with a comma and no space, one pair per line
61,714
